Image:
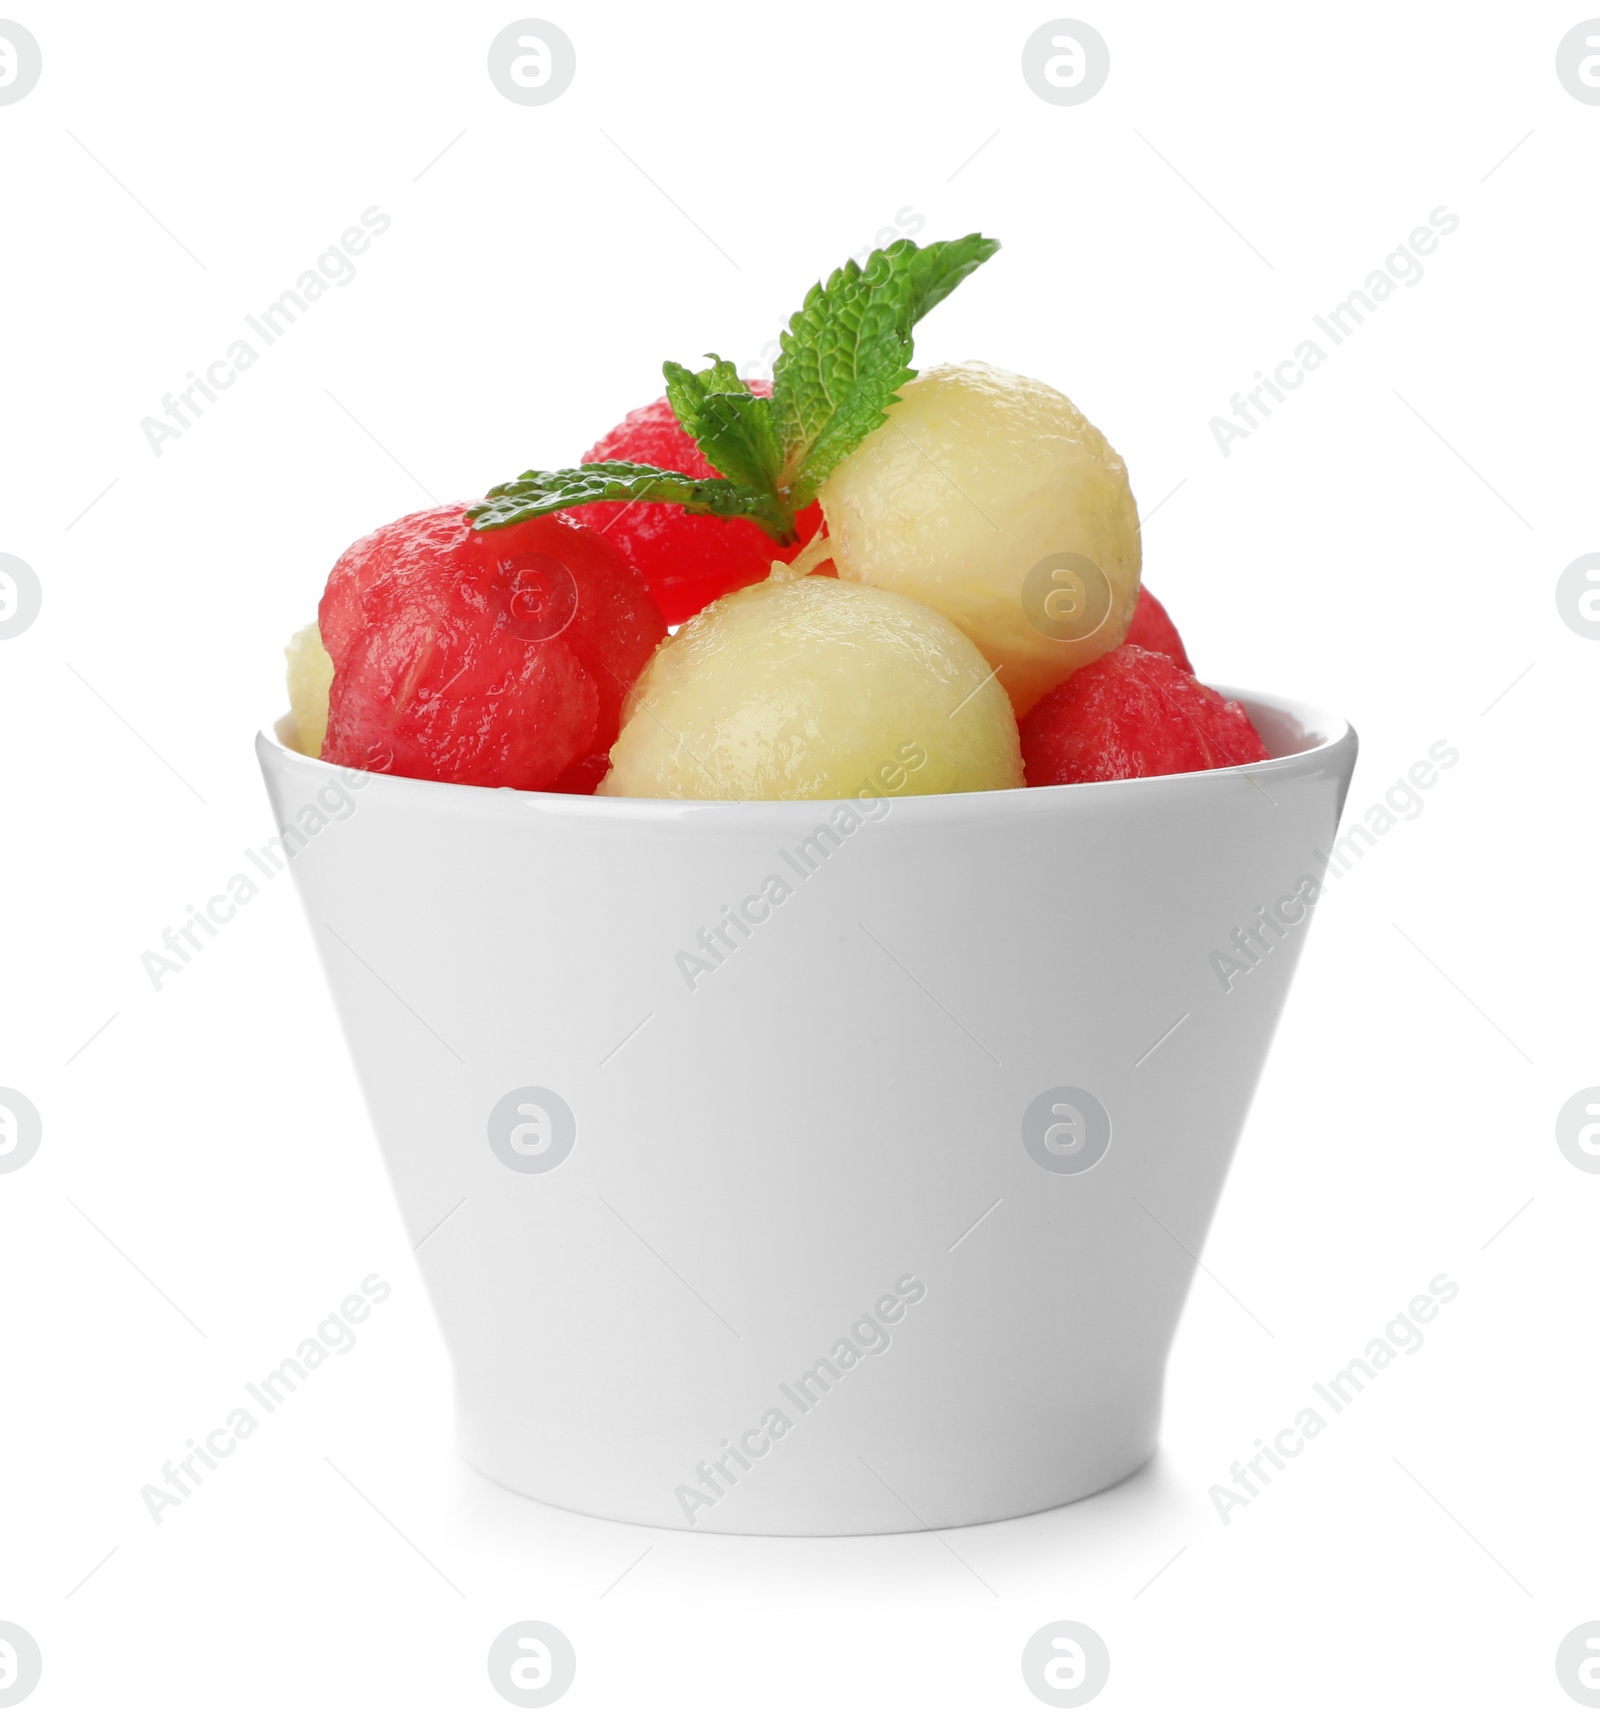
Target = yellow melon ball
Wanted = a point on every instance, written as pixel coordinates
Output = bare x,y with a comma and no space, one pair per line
310,676
989,497
808,687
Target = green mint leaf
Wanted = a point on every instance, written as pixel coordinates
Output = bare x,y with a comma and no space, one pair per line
732,426
842,359
543,490
847,351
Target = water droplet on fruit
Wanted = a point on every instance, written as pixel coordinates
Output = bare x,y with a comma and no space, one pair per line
542,599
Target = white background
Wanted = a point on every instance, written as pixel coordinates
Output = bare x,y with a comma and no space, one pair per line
1386,545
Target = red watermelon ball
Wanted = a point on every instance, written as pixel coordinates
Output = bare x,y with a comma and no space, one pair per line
1130,714
495,658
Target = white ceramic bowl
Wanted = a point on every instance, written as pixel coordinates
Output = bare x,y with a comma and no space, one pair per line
721,1264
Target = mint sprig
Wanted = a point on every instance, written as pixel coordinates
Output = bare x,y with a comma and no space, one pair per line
731,424
541,490
848,350
841,360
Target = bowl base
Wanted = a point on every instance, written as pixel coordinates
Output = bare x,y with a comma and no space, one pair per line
820,1519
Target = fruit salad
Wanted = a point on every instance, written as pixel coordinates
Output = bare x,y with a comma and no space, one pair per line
767,590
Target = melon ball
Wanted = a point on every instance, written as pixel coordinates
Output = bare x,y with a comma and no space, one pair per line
808,687
989,497
310,678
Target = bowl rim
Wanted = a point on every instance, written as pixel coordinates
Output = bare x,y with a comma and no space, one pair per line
1334,740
